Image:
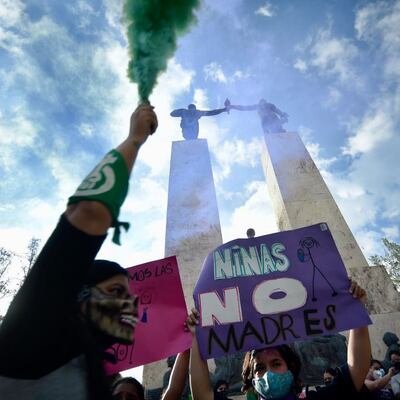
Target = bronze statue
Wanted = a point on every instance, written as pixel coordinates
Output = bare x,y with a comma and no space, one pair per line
190,119
272,118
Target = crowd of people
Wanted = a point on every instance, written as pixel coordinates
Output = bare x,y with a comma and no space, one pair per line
273,373
71,308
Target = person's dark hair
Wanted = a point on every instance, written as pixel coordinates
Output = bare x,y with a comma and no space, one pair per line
219,383
102,270
130,381
374,361
330,371
396,352
291,358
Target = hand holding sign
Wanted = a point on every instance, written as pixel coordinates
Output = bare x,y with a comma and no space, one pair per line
192,321
357,291
162,311
267,291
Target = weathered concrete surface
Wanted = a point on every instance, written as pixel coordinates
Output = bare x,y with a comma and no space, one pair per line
300,197
193,227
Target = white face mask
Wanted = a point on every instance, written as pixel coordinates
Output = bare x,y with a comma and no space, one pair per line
378,373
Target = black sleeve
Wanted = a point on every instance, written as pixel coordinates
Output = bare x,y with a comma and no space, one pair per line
342,388
38,332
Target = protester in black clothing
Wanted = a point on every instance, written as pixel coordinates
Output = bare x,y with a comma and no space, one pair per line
221,390
70,308
329,376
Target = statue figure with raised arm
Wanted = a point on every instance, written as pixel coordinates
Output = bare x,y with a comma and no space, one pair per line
190,119
272,118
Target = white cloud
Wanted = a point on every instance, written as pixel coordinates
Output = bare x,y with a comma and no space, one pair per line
334,56
334,96
200,98
391,232
267,10
314,149
373,140
147,195
10,12
113,11
369,242
86,130
17,135
215,73
379,25
255,212
238,75
301,65
375,128
17,130
237,152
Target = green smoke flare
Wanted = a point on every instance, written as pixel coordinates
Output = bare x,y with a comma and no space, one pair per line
153,28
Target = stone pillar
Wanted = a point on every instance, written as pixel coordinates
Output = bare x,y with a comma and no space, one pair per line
300,198
193,226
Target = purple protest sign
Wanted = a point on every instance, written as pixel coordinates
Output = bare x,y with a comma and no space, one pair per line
274,289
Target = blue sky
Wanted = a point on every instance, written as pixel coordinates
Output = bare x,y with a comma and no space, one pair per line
334,67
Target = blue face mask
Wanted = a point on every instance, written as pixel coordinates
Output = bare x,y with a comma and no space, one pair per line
273,385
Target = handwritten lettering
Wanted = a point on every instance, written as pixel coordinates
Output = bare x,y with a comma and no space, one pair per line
269,330
237,261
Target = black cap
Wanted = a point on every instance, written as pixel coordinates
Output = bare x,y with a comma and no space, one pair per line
102,270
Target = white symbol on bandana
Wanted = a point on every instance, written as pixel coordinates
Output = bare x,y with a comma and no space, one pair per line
103,172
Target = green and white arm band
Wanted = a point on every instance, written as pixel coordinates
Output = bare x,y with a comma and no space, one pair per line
107,184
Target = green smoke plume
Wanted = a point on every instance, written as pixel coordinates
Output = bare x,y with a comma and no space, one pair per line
153,28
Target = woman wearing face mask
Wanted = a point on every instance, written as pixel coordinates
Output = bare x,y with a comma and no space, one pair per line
70,308
272,373
377,381
127,389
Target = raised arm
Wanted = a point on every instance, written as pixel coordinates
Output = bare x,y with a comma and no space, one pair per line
94,217
177,113
177,380
381,382
211,112
359,346
244,108
48,296
200,384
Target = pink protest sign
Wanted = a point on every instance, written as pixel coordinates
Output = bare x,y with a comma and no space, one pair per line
161,315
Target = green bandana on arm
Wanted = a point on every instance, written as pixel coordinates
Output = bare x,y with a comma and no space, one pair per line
107,184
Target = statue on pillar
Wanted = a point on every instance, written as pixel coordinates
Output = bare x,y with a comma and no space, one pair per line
190,119
272,118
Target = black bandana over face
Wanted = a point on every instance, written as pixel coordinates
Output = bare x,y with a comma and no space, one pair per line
113,316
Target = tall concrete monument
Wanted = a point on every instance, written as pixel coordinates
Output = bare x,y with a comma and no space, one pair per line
193,227
300,197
